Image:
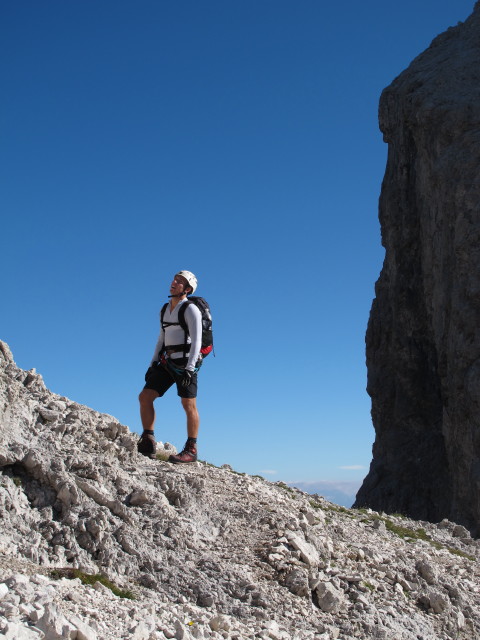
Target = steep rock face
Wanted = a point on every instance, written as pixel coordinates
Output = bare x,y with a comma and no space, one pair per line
423,337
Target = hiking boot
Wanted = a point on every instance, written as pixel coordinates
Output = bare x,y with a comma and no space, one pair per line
147,445
189,454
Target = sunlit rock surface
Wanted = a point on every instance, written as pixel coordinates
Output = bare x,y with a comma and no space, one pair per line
207,553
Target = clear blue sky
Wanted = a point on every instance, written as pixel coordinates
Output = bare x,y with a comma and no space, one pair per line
238,140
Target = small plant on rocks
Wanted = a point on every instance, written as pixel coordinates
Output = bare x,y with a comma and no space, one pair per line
91,579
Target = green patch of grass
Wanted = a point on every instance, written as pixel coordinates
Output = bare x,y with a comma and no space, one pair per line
287,488
91,579
337,509
257,476
404,532
410,535
369,586
343,510
462,554
209,464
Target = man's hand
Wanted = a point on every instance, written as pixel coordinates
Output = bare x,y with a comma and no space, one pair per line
187,378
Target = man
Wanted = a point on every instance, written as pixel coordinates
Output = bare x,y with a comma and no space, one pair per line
175,361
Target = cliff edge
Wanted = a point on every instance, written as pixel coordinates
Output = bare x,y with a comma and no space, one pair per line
423,337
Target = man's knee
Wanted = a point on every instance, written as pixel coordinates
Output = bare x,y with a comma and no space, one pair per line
189,404
147,396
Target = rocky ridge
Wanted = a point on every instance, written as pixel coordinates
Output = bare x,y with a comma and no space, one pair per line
423,346
205,552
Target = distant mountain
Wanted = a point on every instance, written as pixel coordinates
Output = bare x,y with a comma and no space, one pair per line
342,493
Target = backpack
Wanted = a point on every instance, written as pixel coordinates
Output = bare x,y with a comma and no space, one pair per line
207,334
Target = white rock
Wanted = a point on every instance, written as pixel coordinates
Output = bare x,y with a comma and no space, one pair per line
427,571
168,632
363,600
27,609
48,414
39,579
9,609
329,598
17,581
139,497
181,631
308,553
37,612
57,405
54,624
220,623
438,601
141,631
460,532
84,632
101,588
18,631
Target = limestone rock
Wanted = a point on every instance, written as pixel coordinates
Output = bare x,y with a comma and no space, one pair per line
329,598
427,571
220,623
16,631
423,337
297,582
207,553
307,551
54,624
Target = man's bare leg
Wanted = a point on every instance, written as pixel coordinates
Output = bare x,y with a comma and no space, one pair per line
189,453
146,445
193,418
147,411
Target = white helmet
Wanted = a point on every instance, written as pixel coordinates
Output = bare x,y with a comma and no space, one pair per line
190,278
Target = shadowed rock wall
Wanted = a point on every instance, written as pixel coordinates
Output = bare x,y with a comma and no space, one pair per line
423,337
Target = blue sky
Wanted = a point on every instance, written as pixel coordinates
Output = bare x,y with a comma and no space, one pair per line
238,140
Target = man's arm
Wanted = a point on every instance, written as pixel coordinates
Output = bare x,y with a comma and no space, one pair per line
159,345
193,318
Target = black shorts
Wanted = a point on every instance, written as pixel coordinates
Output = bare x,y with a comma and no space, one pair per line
163,377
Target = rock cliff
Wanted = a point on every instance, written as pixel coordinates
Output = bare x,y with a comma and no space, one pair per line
204,552
423,337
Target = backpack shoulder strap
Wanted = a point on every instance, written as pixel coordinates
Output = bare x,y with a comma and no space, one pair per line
181,316
162,313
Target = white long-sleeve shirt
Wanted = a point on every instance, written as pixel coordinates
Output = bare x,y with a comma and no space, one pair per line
173,335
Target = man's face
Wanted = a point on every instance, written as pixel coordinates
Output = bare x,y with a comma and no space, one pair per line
177,288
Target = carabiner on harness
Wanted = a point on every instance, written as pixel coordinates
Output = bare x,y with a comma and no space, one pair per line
176,370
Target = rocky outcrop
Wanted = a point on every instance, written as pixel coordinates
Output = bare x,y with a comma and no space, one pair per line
423,338
87,524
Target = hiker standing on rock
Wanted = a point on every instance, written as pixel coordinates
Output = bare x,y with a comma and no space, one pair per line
176,360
